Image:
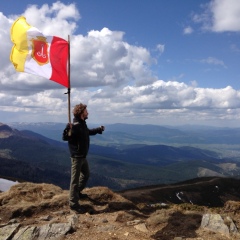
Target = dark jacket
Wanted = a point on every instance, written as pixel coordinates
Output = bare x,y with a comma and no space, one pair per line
79,143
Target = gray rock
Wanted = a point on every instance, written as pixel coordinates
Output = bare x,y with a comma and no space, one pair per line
141,227
7,232
53,231
215,223
44,232
231,225
73,221
27,233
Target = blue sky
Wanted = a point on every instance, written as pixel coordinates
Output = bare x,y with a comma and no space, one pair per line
160,62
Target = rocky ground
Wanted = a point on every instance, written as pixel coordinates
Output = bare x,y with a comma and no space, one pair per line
40,211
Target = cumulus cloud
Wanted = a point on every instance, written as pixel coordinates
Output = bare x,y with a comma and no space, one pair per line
159,100
103,58
58,19
220,16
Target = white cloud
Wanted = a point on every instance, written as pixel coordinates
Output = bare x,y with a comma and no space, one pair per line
103,58
226,15
153,102
170,95
213,61
160,48
187,30
58,19
220,16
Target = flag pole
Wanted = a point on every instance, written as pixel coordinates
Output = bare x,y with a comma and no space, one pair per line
69,85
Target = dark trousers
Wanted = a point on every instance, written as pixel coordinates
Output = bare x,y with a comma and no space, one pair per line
79,177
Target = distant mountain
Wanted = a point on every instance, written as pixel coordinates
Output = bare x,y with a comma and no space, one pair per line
125,134
28,156
211,192
33,157
159,155
48,129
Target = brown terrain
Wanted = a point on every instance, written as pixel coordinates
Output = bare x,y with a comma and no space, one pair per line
40,211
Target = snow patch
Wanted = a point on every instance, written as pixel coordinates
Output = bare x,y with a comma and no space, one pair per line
6,184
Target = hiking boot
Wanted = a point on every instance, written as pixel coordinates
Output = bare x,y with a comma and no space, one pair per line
82,195
78,209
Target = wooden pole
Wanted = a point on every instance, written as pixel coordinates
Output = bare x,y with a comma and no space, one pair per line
69,85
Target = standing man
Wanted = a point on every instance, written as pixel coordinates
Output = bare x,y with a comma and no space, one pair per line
78,147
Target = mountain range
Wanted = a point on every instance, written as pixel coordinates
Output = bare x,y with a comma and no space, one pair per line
125,156
161,190
121,133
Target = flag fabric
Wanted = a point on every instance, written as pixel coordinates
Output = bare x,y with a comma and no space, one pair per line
34,53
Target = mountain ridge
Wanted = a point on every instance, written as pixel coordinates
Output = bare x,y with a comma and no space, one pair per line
118,167
152,133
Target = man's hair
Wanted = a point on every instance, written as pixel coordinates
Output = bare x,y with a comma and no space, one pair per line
78,109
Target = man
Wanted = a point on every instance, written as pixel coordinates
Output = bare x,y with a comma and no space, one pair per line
78,147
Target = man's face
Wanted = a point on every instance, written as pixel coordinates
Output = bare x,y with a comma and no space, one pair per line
84,114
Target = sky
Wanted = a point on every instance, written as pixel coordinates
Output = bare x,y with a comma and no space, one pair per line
139,62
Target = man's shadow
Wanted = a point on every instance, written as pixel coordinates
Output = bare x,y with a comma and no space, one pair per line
94,206
179,225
